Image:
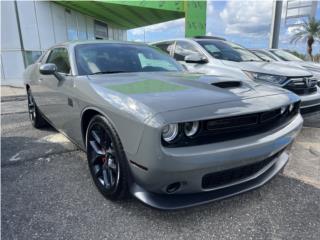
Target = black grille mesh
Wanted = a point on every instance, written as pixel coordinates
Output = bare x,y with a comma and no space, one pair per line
300,86
223,129
213,180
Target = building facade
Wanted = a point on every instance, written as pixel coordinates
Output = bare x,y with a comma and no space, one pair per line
30,27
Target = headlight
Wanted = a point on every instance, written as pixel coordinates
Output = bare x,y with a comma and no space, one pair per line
170,132
275,79
291,106
191,128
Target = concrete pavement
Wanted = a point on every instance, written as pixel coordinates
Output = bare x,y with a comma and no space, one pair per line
47,193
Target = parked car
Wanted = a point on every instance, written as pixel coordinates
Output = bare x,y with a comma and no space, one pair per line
280,55
171,138
216,56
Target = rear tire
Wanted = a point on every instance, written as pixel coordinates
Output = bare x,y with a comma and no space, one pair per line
106,159
35,116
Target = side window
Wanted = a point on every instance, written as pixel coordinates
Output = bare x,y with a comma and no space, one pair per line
166,47
183,49
59,56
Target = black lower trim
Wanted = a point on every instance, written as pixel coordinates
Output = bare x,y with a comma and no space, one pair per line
216,179
310,109
180,201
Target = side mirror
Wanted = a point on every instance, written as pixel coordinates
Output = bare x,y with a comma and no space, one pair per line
48,69
195,58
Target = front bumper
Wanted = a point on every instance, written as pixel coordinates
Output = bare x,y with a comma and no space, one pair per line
310,101
179,201
188,166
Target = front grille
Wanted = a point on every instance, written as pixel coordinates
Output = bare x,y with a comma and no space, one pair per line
217,179
229,128
302,86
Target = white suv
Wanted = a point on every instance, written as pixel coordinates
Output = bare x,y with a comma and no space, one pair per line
216,56
280,55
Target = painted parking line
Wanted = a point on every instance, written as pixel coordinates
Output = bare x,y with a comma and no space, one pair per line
55,138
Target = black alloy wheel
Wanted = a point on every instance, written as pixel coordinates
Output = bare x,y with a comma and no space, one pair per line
35,116
106,159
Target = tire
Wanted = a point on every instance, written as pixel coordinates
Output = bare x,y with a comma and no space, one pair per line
106,159
35,116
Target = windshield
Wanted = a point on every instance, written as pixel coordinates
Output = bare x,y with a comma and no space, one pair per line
110,58
285,56
264,56
228,51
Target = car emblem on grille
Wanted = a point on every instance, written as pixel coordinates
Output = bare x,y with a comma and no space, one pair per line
308,82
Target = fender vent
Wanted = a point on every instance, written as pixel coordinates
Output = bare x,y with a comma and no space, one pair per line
228,84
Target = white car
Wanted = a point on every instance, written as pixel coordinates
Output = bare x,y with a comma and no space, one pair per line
279,55
216,56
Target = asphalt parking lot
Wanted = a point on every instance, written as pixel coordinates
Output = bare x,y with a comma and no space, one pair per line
47,193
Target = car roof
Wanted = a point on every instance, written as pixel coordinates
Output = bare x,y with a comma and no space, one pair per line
209,38
80,42
258,49
193,39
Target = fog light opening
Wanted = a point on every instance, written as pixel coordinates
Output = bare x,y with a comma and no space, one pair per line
173,187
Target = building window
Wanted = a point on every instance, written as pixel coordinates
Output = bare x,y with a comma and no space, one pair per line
100,30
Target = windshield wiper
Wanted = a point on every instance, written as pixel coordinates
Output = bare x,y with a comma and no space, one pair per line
251,60
108,72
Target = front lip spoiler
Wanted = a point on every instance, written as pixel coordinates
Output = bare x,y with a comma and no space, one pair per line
180,201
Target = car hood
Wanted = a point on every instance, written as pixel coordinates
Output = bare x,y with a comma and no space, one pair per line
167,91
311,66
276,68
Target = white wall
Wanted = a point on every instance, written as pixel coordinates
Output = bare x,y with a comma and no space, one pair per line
28,25
12,64
13,67
9,40
72,26
45,24
42,25
82,26
90,28
59,23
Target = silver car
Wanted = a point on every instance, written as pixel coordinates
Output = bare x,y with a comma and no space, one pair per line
170,138
280,55
216,56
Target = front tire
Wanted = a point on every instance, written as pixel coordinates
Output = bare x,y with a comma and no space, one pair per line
35,116
106,159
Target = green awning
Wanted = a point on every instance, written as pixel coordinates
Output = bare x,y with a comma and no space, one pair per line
134,14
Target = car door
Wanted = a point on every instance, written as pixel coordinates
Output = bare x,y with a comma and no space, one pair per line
36,82
56,102
183,49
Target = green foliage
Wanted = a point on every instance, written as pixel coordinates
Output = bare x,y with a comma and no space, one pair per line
299,55
308,29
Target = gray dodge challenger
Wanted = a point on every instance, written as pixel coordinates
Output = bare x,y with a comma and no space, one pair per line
170,138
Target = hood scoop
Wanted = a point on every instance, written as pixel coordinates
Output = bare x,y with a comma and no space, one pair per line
227,84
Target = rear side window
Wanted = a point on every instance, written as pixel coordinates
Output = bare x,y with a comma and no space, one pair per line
166,47
59,56
184,49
